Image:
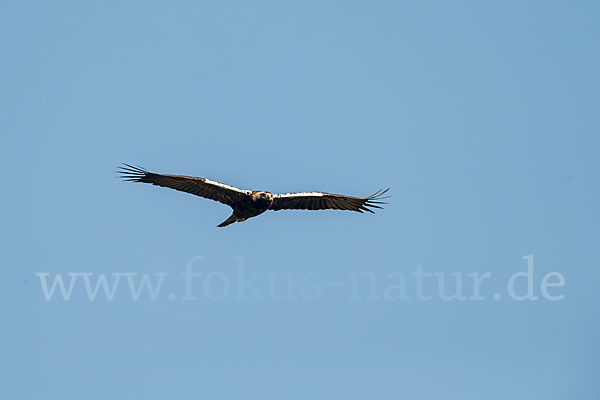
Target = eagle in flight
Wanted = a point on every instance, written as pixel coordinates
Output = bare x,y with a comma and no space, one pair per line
250,203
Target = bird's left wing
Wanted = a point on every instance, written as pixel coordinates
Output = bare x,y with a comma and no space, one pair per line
198,186
327,201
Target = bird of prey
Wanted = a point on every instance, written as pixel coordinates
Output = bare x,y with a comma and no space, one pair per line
250,203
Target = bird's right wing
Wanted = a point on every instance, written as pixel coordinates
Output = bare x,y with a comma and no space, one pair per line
327,201
202,187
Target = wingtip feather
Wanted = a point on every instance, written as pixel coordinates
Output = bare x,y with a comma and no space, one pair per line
131,173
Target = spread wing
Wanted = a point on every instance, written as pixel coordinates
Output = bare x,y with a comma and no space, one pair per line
326,201
199,186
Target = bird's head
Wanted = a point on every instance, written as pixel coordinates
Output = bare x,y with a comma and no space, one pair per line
263,196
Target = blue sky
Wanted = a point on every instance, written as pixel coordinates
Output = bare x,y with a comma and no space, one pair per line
481,116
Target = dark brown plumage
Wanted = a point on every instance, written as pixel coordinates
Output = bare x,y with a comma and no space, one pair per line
247,204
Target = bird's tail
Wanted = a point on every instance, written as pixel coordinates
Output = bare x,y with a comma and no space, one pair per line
228,221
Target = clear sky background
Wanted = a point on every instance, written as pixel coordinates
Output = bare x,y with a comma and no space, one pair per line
483,118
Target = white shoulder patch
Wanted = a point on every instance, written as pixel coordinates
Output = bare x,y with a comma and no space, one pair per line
215,183
303,194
